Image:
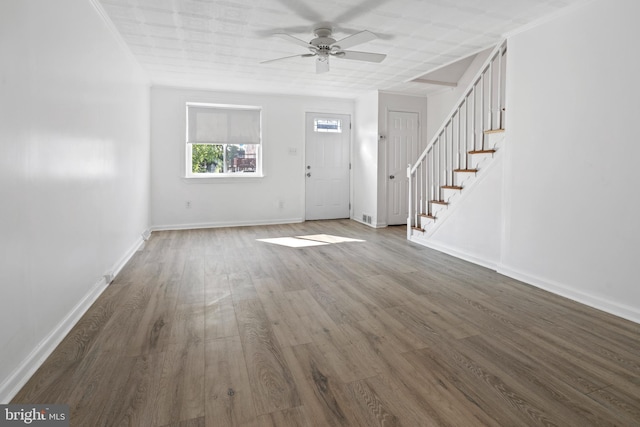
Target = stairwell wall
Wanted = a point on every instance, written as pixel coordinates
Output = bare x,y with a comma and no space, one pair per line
570,204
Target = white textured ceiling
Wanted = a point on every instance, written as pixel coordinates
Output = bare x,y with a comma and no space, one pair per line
213,44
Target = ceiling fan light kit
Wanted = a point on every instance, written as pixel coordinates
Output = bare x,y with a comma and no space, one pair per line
324,46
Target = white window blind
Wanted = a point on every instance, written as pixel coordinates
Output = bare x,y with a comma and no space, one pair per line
223,125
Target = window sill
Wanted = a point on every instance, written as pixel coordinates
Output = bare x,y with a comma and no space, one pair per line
221,179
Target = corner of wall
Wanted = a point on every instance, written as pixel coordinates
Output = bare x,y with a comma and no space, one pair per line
19,377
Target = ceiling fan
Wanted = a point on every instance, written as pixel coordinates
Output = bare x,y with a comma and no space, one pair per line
323,46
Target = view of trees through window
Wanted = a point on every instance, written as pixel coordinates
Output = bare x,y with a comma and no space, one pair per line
223,158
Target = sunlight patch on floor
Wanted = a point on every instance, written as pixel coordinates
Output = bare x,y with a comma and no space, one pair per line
307,241
292,242
327,238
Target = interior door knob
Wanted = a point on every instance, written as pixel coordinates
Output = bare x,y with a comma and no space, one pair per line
392,176
309,174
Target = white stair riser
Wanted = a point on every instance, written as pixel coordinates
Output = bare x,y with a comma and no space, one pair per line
426,222
477,160
435,208
449,194
461,178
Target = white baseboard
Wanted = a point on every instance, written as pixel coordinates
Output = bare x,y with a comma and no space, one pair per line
456,253
220,224
117,267
597,302
12,385
367,224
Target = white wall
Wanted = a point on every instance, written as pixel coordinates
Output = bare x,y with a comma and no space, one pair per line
571,200
276,198
365,158
74,172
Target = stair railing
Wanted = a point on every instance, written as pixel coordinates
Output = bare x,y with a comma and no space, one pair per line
480,109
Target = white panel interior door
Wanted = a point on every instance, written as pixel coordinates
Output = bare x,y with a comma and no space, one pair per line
327,147
402,149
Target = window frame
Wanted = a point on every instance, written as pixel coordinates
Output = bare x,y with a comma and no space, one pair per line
188,149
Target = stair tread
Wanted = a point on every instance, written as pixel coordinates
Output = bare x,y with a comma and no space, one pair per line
440,202
488,132
451,187
418,229
482,152
465,170
428,216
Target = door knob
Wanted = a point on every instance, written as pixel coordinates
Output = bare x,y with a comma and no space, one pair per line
392,176
309,174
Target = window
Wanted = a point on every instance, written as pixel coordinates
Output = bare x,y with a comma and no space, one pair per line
327,125
223,140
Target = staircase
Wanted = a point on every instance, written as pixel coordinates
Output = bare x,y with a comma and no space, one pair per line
461,149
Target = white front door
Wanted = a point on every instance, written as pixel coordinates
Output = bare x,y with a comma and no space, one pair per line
402,149
327,149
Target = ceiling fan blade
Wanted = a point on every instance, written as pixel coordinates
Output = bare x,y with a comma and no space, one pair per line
322,64
357,10
360,56
292,39
355,39
305,55
302,10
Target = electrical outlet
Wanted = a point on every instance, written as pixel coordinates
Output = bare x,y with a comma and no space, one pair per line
187,204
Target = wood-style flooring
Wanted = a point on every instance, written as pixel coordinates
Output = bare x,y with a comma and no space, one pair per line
213,328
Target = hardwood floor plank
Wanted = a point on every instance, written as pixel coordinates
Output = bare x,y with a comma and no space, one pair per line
346,361
623,403
563,363
383,291
321,391
600,366
105,399
191,288
294,417
445,319
338,305
220,318
228,397
195,422
285,322
564,403
181,393
242,287
272,385
485,392
374,411
385,328
446,404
